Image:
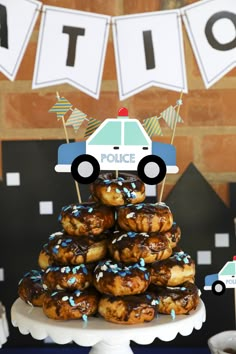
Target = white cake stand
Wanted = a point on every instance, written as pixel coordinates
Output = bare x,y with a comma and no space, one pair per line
104,337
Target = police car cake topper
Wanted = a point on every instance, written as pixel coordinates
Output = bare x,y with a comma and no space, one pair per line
226,278
117,144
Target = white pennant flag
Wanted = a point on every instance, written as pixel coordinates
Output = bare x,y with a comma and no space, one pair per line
71,49
149,52
211,25
17,20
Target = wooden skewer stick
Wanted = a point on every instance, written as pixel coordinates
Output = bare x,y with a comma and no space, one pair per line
67,141
172,140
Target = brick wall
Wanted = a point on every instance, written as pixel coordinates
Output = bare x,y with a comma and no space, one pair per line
207,137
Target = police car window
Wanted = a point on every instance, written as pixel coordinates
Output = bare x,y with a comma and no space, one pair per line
110,134
134,134
229,269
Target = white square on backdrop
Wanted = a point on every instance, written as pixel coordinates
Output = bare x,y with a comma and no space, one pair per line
13,179
1,274
45,208
222,240
204,257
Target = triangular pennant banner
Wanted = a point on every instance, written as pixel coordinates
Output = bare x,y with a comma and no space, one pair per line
152,126
93,124
76,119
170,116
141,52
17,19
61,107
71,49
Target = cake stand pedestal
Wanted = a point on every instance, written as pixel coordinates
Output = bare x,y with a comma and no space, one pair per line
104,337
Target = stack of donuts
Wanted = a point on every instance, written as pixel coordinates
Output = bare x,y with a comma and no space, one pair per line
116,256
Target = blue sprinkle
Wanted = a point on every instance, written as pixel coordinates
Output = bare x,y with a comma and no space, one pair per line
133,185
133,195
107,181
128,194
139,206
20,281
71,280
55,250
64,244
146,276
90,210
85,271
142,262
51,237
69,240
148,297
131,234
186,261
59,219
125,190
123,274
77,213
118,191
120,179
85,318
183,288
54,293
172,312
77,293
71,301
67,269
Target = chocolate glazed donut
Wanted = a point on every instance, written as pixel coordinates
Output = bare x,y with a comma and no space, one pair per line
68,277
66,305
63,249
86,219
131,309
113,191
145,217
117,279
131,246
180,299
30,288
173,271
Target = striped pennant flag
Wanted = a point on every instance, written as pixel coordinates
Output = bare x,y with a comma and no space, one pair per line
93,124
61,107
152,126
170,115
76,119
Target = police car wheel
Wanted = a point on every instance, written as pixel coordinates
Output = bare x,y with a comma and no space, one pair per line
85,169
218,287
151,169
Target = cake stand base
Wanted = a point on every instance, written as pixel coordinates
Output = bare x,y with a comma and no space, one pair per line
104,337
104,347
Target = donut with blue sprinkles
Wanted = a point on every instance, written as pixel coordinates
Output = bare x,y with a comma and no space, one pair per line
86,219
119,279
68,277
71,305
145,217
31,289
130,246
128,310
115,191
173,271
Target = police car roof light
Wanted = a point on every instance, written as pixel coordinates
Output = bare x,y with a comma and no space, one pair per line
234,258
123,113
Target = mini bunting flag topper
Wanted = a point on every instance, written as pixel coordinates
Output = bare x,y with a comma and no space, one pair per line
93,124
170,116
61,107
76,119
152,126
